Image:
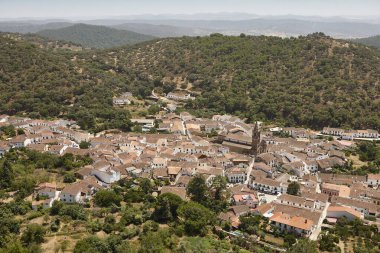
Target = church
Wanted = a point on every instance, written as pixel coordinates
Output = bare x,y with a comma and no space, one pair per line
250,145
258,145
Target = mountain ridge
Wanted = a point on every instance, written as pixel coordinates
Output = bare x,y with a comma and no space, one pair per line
95,36
373,41
312,81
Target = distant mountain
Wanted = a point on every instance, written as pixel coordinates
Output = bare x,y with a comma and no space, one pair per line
42,42
29,27
284,27
95,36
227,24
373,41
163,31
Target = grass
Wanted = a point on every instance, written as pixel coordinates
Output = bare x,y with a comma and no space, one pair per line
271,239
356,162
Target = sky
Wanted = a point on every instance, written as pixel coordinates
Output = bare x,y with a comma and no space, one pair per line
113,8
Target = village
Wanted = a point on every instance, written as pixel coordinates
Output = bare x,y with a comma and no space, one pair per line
260,164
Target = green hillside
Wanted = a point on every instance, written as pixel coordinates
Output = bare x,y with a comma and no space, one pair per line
313,81
43,84
95,36
370,41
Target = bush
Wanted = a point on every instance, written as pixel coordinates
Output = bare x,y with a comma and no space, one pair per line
69,178
107,198
34,233
75,211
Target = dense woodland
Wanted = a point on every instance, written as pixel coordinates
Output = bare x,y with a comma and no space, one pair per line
373,41
312,81
95,36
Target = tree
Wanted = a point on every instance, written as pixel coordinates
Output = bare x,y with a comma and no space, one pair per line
153,109
34,233
293,188
76,212
145,185
84,144
304,245
56,207
20,131
15,246
289,240
69,178
250,223
7,175
131,215
9,131
220,195
151,243
91,244
8,226
195,218
107,198
197,189
166,207
327,242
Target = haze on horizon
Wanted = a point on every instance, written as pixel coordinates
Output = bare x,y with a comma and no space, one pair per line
76,9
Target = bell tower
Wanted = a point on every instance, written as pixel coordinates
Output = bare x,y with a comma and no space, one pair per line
256,140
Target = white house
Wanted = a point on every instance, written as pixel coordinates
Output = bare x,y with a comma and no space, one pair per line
236,174
373,180
71,193
268,186
159,162
179,96
333,131
336,211
80,191
20,141
121,101
293,224
47,190
106,175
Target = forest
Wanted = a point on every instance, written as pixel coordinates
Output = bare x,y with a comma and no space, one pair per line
312,81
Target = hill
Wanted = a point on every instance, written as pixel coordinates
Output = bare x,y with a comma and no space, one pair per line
95,36
313,81
45,83
370,41
42,42
162,31
31,27
276,26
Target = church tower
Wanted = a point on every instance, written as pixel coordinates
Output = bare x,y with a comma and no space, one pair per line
255,146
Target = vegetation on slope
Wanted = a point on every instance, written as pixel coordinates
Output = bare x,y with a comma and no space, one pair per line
43,84
95,36
373,41
314,81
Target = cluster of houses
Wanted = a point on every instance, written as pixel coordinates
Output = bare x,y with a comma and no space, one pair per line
259,166
351,134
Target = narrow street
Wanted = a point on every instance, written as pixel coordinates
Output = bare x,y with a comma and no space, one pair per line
250,167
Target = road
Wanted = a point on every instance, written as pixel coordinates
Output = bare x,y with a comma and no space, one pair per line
250,167
317,231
